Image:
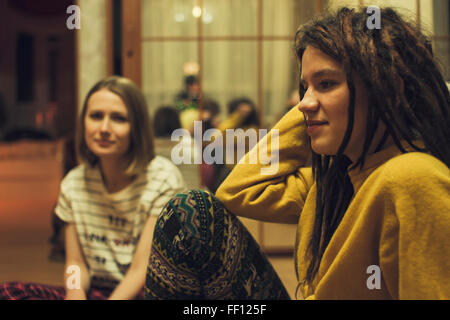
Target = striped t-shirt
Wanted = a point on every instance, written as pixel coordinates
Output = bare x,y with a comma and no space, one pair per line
109,224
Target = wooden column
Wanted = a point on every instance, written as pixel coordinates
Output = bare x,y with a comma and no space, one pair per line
109,38
131,41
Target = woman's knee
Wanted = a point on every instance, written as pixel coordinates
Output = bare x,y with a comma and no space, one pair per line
190,228
187,214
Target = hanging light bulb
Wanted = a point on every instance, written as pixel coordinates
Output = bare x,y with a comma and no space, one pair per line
197,11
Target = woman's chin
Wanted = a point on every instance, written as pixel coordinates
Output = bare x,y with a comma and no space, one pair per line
107,154
324,150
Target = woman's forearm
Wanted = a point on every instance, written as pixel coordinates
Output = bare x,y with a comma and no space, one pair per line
131,285
76,280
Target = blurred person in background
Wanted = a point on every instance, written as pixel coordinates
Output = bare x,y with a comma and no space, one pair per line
242,114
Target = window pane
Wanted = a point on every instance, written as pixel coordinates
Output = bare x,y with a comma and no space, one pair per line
25,67
168,18
230,18
282,17
441,12
163,70
442,53
230,71
404,7
280,78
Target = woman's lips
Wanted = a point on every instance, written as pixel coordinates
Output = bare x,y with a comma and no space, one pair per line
313,125
104,143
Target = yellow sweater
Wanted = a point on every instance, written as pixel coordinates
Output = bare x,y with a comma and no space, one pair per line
234,121
398,219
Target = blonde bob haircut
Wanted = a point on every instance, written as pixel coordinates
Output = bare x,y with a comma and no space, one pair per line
141,149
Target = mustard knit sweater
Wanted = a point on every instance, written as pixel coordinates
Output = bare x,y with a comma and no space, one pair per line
234,121
398,220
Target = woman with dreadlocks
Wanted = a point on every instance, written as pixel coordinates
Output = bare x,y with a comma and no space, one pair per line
372,211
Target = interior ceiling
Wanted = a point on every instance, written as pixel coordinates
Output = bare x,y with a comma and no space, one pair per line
41,7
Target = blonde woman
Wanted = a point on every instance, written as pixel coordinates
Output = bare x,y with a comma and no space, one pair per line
110,202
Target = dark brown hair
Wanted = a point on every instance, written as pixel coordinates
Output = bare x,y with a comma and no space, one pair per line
165,121
406,91
252,118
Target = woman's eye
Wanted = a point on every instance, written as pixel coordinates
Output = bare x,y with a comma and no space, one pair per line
326,84
119,118
96,116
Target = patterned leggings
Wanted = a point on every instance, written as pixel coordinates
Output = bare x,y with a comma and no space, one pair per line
201,251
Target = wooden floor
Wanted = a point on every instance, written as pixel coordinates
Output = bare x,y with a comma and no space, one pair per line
28,192
24,257
28,260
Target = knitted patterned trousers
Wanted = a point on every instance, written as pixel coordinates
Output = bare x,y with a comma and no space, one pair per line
201,251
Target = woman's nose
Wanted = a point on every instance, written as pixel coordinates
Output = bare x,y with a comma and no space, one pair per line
105,125
309,103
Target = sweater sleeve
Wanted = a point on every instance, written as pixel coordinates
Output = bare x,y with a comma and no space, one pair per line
419,201
232,122
275,187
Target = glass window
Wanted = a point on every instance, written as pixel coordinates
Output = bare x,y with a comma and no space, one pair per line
441,13
229,18
163,66
168,18
234,57
230,71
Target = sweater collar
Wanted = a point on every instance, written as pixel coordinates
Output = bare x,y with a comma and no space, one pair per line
375,160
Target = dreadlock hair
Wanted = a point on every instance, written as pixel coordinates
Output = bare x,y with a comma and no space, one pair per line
406,91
